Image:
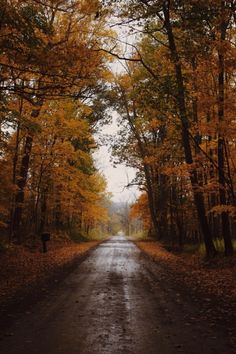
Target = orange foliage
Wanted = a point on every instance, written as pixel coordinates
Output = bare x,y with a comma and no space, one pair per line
139,210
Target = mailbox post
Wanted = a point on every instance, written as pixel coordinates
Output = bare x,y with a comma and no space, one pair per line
45,237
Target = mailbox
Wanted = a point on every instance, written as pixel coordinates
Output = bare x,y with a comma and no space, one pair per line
45,236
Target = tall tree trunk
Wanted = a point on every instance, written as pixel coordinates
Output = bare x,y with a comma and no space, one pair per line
37,200
198,195
14,169
221,152
43,210
21,182
147,172
151,202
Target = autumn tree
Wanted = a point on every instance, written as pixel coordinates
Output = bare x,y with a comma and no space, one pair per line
48,52
138,211
189,34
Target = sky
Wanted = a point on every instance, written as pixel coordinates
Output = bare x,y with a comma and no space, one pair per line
117,177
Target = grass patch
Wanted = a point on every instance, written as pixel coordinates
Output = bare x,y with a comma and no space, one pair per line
200,248
78,236
97,235
140,236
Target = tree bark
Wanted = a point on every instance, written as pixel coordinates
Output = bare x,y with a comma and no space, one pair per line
150,191
21,182
198,195
14,169
221,155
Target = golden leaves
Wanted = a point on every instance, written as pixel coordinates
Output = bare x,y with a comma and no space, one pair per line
219,209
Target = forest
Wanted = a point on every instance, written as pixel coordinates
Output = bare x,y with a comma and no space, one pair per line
84,273
176,106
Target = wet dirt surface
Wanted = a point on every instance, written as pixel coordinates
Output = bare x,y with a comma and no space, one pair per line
116,301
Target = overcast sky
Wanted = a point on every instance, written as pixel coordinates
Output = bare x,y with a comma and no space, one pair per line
117,177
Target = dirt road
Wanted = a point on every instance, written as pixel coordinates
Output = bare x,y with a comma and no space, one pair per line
115,302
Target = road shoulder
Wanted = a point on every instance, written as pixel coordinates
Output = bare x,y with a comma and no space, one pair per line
210,284
28,275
